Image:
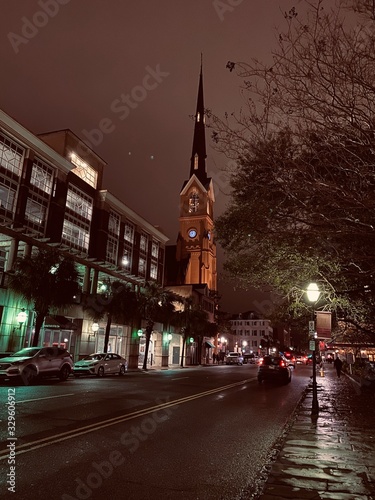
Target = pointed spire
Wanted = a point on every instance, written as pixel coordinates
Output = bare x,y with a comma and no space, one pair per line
198,155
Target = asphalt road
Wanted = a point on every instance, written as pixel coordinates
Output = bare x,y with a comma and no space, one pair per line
193,433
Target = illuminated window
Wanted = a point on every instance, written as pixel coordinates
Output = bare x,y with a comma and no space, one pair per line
193,202
114,223
79,202
129,232
35,211
198,117
126,260
42,176
112,249
195,162
143,243
7,195
142,267
84,170
76,233
155,249
11,155
154,271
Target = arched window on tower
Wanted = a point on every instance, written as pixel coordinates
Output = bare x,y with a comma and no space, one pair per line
198,117
193,202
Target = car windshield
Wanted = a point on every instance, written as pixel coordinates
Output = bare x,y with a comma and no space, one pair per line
27,352
94,357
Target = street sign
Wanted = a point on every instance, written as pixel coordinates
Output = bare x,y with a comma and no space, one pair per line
311,326
312,345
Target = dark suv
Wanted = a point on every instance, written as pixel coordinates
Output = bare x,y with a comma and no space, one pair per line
274,368
32,362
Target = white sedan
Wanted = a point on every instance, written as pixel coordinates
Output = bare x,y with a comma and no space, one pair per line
100,364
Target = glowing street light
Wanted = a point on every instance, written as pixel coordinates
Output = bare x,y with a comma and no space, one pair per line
313,294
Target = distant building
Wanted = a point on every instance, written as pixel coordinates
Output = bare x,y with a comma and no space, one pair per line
250,332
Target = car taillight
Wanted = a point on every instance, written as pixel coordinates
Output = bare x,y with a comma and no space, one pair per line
282,363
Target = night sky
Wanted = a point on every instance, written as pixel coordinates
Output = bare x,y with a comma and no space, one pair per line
132,69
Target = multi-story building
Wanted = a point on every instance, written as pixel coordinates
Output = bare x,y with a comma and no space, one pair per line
51,195
250,333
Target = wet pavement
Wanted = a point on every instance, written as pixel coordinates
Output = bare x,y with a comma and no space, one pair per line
331,457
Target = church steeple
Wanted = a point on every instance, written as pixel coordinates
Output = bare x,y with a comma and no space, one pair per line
198,155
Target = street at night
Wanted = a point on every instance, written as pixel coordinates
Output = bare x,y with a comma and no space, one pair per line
193,433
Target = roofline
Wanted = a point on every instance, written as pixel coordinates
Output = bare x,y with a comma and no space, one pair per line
30,140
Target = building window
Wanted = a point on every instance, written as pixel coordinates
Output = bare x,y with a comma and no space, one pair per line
35,211
84,170
129,233
155,249
42,176
112,249
143,243
142,267
79,202
11,155
76,233
114,224
126,260
196,162
7,195
154,271
193,202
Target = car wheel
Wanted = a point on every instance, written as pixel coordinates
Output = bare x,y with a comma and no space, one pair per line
64,372
122,370
100,372
29,375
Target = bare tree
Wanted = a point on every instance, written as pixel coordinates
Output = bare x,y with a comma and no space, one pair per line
302,205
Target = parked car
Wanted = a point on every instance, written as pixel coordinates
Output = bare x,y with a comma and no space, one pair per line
234,358
300,359
32,362
100,364
274,368
250,358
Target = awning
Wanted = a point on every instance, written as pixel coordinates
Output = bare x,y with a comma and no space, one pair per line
208,344
59,323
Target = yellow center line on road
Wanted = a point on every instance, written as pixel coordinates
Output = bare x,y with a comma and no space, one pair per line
63,436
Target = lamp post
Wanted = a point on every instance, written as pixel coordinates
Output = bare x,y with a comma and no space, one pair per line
313,294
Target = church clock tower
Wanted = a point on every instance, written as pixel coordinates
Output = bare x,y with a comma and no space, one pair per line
196,248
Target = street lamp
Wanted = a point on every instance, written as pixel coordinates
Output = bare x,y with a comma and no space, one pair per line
313,294
21,317
95,328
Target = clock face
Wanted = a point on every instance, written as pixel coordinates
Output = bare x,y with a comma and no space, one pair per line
192,233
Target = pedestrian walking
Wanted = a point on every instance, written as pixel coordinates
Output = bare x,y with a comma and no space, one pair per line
338,365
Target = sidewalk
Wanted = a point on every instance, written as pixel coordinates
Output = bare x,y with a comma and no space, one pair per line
332,458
